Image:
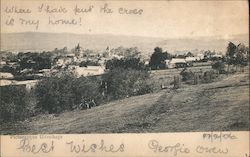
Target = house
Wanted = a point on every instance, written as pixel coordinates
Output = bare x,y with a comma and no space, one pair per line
5,75
87,71
2,62
44,70
26,70
5,82
117,56
183,54
190,59
29,84
65,60
13,64
180,54
167,61
176,63
200,56
102,61
216,56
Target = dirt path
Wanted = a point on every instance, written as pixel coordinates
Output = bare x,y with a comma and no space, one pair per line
148,117
222,105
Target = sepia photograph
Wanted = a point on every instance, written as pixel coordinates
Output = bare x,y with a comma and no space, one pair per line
97,67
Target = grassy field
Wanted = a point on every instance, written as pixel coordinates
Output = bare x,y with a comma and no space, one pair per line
219,106
166,76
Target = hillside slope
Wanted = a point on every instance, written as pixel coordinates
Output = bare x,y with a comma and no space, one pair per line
218,106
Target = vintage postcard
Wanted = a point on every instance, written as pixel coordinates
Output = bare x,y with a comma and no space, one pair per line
124,78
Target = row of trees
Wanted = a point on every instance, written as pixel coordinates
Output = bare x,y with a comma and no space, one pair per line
126,77
236,56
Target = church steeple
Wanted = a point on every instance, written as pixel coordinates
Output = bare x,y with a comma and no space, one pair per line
78,48
108,51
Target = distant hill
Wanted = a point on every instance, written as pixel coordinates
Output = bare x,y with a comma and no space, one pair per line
49,41
202,43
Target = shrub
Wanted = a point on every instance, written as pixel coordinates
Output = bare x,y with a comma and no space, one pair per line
54,94
219,66
8,69
187,75
125,63
86,89
209,76
35,61
157,59
57,94
13,103
127,82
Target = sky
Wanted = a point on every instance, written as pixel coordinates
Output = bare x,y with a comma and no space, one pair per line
166,19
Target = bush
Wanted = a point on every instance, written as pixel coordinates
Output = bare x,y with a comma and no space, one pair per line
86,89
187,75
35,61
7,69
209,76
219,66
196,77
127,82
157,59
125,63
13,103
54,94
57,94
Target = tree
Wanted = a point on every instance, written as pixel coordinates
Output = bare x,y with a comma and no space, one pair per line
241,58
54,94
65,50
121,83
231,50
87,89
126,63
35,61
219,66
237,55
157,60
231,54
208,55
13,105
59,93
